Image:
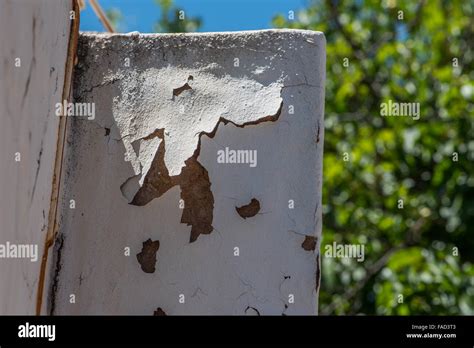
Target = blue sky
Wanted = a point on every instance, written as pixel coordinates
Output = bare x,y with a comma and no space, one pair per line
217,15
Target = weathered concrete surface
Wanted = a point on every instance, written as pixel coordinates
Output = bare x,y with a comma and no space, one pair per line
145,174
34,38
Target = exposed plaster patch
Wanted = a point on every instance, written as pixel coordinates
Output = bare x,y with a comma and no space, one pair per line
186,86
198,198
147,257
159,312
250,209
309,243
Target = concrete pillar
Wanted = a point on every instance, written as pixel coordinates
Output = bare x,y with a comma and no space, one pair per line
192,180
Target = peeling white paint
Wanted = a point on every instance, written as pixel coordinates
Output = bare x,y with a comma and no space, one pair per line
277,68
147,104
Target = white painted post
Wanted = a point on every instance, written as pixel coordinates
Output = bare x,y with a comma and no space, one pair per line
34,41
196,173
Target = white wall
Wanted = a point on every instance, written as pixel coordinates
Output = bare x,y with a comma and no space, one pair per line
36,32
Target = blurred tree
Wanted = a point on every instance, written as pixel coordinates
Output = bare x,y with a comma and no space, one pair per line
174,20
402,193
115,17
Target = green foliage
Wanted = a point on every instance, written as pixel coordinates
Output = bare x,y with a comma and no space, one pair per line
425,250
174,20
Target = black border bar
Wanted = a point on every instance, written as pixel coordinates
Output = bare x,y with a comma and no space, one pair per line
138,330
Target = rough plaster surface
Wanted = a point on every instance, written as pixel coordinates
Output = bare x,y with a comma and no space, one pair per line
145,170
38,34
